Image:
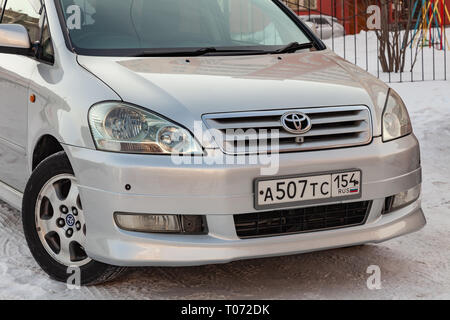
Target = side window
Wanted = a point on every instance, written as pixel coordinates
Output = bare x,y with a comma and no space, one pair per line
322,21
22,12
46,53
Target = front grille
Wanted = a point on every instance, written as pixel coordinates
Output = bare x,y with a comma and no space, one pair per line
332,127
281,222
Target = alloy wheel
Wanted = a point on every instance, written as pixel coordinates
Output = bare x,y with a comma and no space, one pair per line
60,222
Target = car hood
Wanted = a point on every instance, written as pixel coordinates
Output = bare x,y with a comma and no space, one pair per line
183,89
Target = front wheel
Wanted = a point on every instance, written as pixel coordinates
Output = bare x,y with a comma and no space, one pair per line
55,227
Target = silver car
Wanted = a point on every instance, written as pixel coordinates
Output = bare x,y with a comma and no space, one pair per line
325,26
177,133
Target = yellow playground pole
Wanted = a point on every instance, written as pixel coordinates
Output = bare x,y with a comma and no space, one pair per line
436,12
425,24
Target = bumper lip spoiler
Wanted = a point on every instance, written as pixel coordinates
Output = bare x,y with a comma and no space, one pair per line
209,250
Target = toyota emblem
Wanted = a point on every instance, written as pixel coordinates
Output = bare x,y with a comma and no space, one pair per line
296,122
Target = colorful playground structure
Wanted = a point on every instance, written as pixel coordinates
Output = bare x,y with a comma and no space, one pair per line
432,17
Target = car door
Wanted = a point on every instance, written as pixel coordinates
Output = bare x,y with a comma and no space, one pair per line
15,74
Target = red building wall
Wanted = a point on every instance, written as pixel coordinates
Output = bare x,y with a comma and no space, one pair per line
345,11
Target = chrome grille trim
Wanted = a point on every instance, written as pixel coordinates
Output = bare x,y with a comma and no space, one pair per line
332,127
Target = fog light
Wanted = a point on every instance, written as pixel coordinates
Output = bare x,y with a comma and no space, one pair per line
402,199
148,222
158,223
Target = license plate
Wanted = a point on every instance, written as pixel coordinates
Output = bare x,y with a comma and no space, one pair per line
306,189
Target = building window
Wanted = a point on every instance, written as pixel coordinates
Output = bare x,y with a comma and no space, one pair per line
302,5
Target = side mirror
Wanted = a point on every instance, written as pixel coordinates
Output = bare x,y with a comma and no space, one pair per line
14,39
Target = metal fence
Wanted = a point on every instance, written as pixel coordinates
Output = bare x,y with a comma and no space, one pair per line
396,40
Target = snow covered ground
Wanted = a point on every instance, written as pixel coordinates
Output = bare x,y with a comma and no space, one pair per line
421,62
414,266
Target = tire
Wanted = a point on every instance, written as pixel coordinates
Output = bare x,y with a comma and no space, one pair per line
53,184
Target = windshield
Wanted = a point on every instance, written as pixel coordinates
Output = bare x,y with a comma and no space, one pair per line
135,26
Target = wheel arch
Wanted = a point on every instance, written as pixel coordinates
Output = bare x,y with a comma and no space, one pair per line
45,146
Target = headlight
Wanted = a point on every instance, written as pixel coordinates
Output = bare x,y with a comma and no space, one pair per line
124,128
396,122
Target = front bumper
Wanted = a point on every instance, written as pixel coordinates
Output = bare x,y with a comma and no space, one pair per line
159,186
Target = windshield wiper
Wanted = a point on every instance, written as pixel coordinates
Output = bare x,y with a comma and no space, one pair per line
295,46
196,53
290,48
